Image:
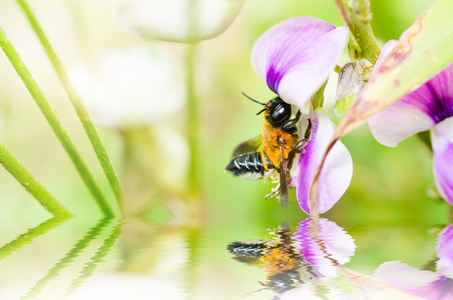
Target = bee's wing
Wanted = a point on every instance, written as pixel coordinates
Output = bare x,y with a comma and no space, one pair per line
248,146
283,181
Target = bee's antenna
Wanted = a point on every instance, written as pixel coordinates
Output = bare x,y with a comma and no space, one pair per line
253,99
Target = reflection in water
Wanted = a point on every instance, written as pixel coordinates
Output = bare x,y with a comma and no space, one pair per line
283,266
422,283
102,251
309,263
294,260
82,244
175,261
30,236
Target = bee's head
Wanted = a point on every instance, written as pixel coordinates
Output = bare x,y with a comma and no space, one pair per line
276,111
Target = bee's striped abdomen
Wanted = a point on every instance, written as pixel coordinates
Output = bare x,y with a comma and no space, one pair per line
249,165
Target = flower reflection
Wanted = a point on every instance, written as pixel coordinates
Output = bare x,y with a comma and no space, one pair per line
324,245
423,283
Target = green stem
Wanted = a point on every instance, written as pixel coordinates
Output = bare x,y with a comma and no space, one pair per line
192,125
88,126
51,118
358,22
15,168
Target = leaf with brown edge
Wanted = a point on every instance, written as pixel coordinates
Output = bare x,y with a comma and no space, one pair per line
423,50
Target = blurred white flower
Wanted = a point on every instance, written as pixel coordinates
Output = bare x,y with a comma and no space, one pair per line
180,21
131,88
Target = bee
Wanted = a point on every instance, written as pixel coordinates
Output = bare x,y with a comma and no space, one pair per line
279,142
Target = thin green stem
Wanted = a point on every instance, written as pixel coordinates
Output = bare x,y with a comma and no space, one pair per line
192,125
88,126
358,20
15,168
53,121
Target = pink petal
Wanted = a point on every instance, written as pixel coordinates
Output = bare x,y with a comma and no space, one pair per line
442,143
336,173
296,56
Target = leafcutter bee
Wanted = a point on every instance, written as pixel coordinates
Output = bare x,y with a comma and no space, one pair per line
278,143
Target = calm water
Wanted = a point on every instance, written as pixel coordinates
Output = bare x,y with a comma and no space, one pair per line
135,259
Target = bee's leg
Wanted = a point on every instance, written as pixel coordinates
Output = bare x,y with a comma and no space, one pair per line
301,144
291,123
299,148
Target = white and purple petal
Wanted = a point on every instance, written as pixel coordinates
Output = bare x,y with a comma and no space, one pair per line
445,252
417,111
425,284
337,171
442,144
296,56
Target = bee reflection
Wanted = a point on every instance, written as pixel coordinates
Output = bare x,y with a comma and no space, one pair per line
284,267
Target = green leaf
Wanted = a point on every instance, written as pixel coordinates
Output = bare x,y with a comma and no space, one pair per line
424,50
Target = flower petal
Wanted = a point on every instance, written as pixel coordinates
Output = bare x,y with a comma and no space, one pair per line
336,173
445,252
415,112
424,284
324,245
442,143
296,56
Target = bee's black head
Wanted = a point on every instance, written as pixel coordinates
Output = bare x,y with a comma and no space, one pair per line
278,112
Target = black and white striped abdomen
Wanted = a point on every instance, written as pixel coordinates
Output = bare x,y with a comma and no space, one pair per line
249,165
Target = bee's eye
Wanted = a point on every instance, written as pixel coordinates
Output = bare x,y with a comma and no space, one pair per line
280,114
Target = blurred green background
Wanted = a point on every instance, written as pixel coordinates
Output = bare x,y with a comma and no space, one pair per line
385,209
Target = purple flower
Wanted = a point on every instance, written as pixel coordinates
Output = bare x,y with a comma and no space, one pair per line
425,284
336,173
430,107
295,58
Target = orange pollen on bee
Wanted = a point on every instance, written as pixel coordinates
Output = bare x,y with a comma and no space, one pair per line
272,139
